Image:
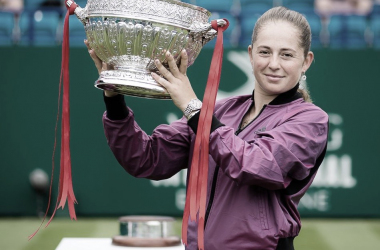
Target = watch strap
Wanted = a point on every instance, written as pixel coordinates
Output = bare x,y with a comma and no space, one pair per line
194,105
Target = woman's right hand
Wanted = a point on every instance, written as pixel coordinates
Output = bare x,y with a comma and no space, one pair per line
100,66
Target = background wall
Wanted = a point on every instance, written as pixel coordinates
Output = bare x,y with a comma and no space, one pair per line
343,83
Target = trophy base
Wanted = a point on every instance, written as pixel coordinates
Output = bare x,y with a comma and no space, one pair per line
146,231
146,242
137,83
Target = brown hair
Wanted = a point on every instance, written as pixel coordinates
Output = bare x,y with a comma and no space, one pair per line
299,21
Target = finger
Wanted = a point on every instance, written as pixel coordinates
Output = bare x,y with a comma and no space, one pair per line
110,67
160,80
87,44
96,59
166,73
92,54
104,66
172,64
184,62
107,66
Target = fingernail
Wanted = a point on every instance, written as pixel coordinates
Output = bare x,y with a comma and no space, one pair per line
168,54
157,61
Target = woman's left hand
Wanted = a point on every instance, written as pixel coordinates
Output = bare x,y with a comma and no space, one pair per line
176,81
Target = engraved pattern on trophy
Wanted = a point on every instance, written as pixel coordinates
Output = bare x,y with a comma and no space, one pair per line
131,34
112,37
176,12
126,38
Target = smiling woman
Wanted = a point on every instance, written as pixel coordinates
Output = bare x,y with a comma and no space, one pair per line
291,36
264,148
279,60
280,55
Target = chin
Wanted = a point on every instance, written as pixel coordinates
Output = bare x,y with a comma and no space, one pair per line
276,89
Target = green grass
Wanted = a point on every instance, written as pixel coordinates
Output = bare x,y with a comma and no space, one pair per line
316,234
339,234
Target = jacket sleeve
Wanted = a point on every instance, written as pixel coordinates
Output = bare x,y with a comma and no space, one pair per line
275,157
157,156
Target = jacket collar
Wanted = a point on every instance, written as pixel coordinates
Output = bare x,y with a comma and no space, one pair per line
286,97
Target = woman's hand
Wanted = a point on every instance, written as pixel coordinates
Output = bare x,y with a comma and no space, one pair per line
100,66
176,82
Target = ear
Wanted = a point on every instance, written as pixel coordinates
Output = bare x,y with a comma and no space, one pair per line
250,53
308,60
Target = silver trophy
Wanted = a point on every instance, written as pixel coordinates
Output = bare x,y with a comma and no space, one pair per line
146,231
131,34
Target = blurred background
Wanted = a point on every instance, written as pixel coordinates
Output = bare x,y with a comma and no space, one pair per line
340,211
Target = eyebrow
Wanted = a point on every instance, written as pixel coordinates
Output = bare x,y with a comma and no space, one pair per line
266,47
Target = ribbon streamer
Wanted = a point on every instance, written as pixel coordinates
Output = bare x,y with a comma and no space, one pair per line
197,188
65,179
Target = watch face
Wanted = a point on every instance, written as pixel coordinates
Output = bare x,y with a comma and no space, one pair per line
196,104
193,105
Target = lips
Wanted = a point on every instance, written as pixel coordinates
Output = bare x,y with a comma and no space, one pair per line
273,76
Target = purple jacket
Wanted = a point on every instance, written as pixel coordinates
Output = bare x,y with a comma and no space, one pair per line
256,175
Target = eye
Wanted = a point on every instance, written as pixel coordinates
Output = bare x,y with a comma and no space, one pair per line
287,55
264,52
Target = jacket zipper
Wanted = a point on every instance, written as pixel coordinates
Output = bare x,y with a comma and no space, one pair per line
241,129
210,201
215,176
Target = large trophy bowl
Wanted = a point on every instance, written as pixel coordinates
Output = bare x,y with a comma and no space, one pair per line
131,34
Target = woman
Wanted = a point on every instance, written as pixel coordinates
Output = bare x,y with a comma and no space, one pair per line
265,148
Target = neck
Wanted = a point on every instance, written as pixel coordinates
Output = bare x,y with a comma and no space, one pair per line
261,99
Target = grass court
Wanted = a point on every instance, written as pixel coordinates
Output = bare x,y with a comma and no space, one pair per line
316,234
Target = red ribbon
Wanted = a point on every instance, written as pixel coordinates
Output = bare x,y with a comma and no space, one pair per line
197,187
65,179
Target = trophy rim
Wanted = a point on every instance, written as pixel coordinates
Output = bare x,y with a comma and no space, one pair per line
192,6
178,2
145,218
101,13
153,20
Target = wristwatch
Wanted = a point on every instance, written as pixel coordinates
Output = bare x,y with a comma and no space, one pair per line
194,105
193,113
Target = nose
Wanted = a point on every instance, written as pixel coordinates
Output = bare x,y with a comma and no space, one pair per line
274,63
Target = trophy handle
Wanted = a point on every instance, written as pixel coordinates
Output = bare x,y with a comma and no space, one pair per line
205,32
81,13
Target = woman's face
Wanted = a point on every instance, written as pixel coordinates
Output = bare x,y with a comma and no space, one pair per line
277,58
